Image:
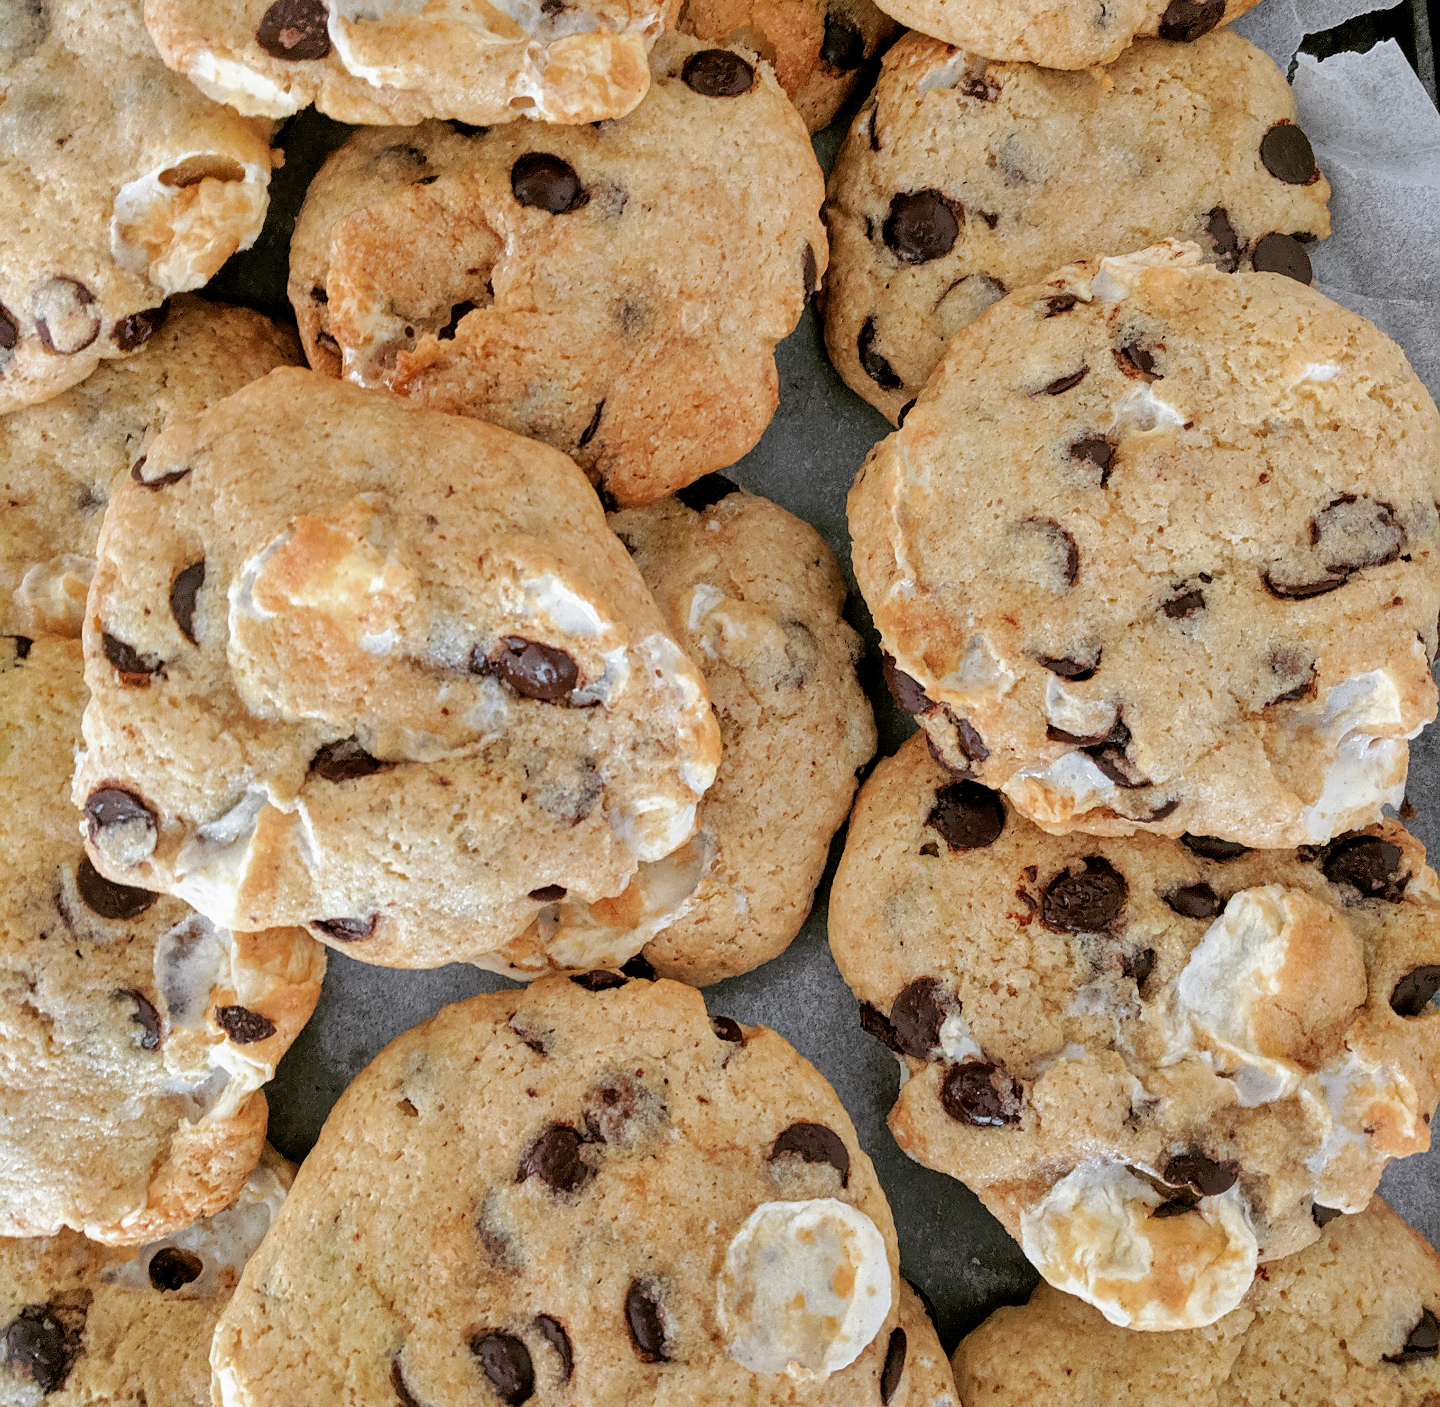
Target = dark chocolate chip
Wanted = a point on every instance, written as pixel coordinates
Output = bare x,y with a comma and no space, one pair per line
1137,362
717,73
875,1023
1283,254
1067,383
1096,450
727,1029
894,1368
980,1093
1195,901
42,1343
1176,1206
706,492
1060,303
67,318
103,896
1138,966
9,329
344,761
1288,156
968,737
183,591
114,806
128,661
345,930
533,670
1421,1343
646,1321
1089,902
23,645
554,1157
639,967
155,485
295,30
1185,602
809,273
242,1025
815,1144
457,311
905,411
1208,1176
1112,757
1078,670
916,1016
1210,847
1184,21
1223,237
905,690
1303,590
922,225
548,893
403,1396
544,182
171,1268
1070,570
600,980
843,46
505,1361
145,1017
1323,1216
559,1340
132,333
966,816
1414,991
877,368
1369,864
589,432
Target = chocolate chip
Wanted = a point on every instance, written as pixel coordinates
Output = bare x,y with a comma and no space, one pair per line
403,1396
981,1094
295,30
966,816
894,1367
1088,902
155,485
1195,901
559,1340
876,367
544,182
1208,1176
171,1268
132,333
588,433
242,1025
9,330
344,761
843,46
130,664
1421,1343
727,1029
119,902
875,1023
906,691
548,893
114,806
533,670
67,318
967,737
1060,303
1223,237
42,1343
1138,966
1067,383
145,1017
1176,1206
1137,362
1067,668
505,1361
815,1144
1070,566
1287,155
905,411
922,225
23,644
183,591
1184,21
1112,757
345,930
554,1157
1302,590
600,980
916,1016
1323,1216
621,1110
1413,991
717,73
647,1321
457,311
706,492
1210,847
1283,254
639,967
1096,450
809,273
1184,603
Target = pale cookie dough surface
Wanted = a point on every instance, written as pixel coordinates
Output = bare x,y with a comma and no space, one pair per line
1158,544
616,291
818,48
1062,33
1152,1060
87,1325
135,1035
964,179
379,671
584,1196
58,460
123,185
1349,1322
393,61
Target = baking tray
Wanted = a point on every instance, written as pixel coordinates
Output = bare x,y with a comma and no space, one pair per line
949,1245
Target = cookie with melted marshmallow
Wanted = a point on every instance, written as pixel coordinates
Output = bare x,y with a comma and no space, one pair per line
1160,1063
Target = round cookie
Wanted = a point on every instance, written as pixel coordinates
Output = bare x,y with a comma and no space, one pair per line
1349,1322
616,291
1159,1063
752,595
1157,548
575,1192
58,460
124,183
1071,34
963,179
818,48
135,1035
388,61
379,671
86,1325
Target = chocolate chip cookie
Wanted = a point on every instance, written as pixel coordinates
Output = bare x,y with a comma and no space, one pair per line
965,178
753,596
87,1325
586,1191
1156,549
134,1034
1352,1320
616,291
123,185
58,460
378,671
1159,1063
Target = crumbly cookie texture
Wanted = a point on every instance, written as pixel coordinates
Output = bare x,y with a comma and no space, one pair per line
752,595
1074,34
1351,1322
1156,548
58,460
134,1035
88,1325
818,48
1159,1063
566,283
389,61
126,186
382,672
964,178
588,1191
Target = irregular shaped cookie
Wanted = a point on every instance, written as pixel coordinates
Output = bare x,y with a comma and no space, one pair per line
586,1190
387,61
380,671
1159,1063
1157,548
1351,1321
124,185
818,48
134,1035
91,1326
1073,34
57,461
567,283
963,179
753,595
